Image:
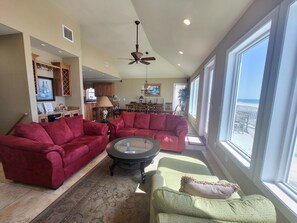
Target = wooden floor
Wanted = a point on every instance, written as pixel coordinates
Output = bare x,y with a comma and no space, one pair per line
20,203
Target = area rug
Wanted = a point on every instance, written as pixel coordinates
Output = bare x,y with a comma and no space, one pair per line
102,198
195,140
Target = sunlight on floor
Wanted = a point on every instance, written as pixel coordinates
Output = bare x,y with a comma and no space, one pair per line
139,191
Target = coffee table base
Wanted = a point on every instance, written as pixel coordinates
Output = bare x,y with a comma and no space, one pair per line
126,163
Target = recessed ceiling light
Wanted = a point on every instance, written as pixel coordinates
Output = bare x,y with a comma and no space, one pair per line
60,51
180,52
187,22
178,64
43,44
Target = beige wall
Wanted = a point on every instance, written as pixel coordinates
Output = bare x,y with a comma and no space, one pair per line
42,21
130,89
96,60
14,93
76,98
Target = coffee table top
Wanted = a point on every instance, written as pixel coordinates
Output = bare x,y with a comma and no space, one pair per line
133,147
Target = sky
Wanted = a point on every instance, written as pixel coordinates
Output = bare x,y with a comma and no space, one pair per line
252,70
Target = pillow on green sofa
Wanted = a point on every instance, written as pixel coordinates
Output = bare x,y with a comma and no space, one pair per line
212,190
253,208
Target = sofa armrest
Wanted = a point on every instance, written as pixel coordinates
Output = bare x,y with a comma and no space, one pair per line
253,208
28,145
114,126
157,182
181,128
117,123
95,128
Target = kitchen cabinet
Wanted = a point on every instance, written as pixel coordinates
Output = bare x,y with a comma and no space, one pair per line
62,79
104,89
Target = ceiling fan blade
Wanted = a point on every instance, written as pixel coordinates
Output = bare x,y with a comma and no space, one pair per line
124,59
144,62
148,58
132,62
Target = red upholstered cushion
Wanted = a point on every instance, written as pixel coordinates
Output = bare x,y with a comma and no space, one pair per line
157,122
142,121
33,131
146,133
92,142
126,132
128,118
73,152
171,122
95,128
76,125
59,131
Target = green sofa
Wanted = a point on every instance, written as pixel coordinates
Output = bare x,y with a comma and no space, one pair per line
168,205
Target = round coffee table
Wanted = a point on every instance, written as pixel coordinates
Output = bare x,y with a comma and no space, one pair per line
133,151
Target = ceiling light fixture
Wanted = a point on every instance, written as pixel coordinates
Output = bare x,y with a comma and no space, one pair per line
180,52
178,64
42,44
187,22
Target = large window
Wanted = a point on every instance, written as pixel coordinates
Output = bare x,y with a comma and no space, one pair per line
194,97
285,111
246,63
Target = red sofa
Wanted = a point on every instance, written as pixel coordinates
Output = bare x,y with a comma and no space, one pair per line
169,130
46,154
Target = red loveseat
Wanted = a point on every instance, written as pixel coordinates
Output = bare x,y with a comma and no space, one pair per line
46,154
169,130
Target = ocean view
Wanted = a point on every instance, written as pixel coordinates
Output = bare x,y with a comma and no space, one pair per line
248,101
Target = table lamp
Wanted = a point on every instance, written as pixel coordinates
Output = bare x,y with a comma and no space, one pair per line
104,103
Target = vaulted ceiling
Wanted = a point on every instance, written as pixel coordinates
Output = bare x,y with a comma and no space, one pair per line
108,25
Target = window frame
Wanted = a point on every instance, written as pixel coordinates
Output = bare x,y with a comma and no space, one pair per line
233,58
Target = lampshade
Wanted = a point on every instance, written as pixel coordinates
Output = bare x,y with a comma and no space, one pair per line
104,102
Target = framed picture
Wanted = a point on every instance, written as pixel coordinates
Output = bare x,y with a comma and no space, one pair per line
48,107
152,90
40,108
45,89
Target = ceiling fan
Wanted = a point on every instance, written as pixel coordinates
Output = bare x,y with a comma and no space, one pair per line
138,55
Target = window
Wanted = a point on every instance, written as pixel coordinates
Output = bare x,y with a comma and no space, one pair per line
285,110
292,173
245,70
194,97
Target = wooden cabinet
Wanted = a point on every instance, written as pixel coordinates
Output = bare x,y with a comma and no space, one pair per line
104,89
34,56
48,117
89,110
61,73
62,79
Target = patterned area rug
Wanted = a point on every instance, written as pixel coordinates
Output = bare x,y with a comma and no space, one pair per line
102,198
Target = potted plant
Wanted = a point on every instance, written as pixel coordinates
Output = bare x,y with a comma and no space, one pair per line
183,96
